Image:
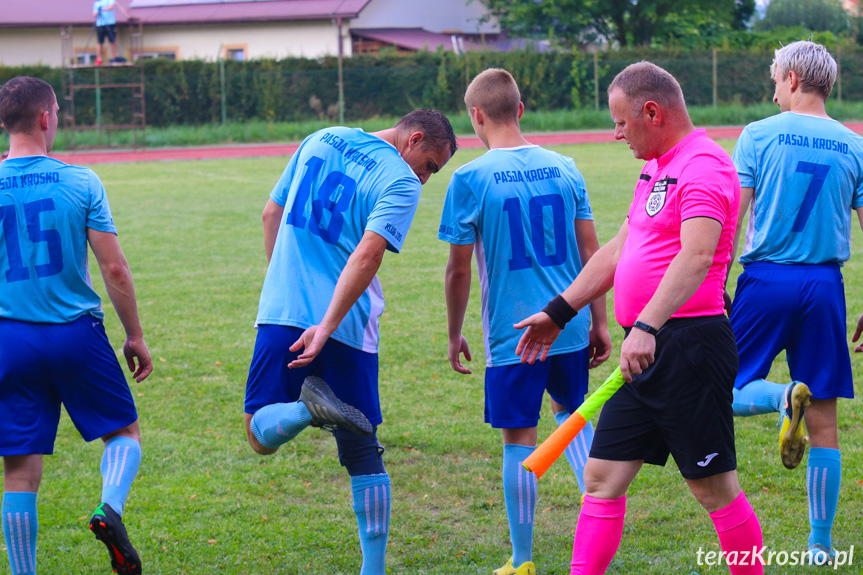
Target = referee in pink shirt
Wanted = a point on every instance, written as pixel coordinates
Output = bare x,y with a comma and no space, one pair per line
667,264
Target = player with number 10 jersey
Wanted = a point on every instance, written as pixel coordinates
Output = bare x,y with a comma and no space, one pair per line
521,222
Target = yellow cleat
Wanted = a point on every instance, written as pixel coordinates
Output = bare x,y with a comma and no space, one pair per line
792,442
526,568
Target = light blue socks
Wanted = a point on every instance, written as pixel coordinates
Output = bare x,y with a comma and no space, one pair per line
577,451
759,397
277,424
20,527
519,494
372,506
120,462
823,475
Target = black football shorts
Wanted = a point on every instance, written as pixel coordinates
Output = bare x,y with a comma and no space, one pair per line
679,405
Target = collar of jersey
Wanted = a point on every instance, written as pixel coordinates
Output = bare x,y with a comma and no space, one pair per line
669,156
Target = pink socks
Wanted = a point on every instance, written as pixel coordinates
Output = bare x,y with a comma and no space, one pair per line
740,536
597,536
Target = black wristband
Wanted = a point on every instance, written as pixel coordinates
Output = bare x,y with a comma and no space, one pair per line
560,311
645,327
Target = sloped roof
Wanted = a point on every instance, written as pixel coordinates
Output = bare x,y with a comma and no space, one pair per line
208,11
51,13
415,38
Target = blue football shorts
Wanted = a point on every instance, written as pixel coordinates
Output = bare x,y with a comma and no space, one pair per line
351,373
799,309
43,365
513,393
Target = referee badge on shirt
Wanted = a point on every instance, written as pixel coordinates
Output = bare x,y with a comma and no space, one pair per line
656,199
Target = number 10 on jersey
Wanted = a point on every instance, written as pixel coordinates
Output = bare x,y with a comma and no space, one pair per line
520,259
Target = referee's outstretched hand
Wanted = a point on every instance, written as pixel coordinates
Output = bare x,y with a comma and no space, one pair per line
541,332
857,332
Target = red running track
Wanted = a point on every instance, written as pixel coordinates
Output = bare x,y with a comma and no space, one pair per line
270,150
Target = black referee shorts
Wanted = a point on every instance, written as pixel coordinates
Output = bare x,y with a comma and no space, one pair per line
681,404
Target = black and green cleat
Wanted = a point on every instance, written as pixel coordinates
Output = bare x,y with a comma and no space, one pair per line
328,411
108,528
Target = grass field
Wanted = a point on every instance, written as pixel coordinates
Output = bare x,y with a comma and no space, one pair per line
204,503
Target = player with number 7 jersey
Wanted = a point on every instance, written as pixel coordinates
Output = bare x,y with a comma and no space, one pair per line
801,175
344,199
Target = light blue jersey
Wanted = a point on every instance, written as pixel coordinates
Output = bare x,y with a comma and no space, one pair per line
518,207
808,175
105,17
46,207
341,183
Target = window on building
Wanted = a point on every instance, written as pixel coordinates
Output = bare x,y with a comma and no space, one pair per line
235,53
85,58
167,54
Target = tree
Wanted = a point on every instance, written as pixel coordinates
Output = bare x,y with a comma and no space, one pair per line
626,22
815,15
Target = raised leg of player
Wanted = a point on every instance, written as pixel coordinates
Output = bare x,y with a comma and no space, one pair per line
758,397
823,470
120,462
276,424
579,450
735,522
600,522
372,499
22,475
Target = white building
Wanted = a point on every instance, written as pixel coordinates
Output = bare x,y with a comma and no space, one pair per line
243,29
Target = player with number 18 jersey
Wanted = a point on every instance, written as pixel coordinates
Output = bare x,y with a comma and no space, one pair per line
340,183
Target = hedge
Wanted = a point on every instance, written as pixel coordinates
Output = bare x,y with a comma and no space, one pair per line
188,92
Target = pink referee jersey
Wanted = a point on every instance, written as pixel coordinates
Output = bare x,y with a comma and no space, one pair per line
695,178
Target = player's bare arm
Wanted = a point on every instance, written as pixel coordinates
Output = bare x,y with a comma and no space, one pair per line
599,339
595,279
271,218
457,288
353,281
687,271
121,290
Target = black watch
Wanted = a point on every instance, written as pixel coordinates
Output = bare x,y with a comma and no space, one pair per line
645,327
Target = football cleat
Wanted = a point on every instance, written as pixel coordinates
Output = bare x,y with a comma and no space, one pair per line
526,568
328,412
792,442
820,556
108,528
